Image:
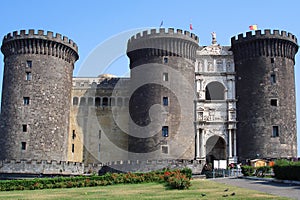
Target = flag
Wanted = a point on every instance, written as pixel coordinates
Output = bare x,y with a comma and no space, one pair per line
161,23
191,27
253,27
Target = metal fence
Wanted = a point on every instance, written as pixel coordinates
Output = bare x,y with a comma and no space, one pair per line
222,173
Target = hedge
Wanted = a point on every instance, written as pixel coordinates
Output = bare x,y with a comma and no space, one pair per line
287,170
178,179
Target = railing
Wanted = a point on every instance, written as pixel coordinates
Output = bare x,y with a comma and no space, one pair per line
222,173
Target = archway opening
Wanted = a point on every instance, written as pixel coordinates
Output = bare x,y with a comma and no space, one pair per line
215,91
215,149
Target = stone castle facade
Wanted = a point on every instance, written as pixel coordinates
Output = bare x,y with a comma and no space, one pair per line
183,105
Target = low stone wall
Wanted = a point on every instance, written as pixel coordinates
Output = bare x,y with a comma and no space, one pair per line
41,167
53,167
145,166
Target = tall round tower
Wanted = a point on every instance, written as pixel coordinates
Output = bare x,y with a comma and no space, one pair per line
162,96
264,64
36,95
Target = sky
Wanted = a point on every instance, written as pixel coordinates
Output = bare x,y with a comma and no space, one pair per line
105,25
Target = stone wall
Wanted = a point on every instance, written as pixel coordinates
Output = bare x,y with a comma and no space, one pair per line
41,167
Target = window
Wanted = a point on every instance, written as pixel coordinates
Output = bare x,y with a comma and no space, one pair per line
23,145
90,101
99,134
73,135
26,100
73,148
165,149
82,101
273,78
28,76
165,101
75,101
166,60
112,101
165,77
29,63
275,131
24,127
97,101
119,101
273,102
272,60
165,131
105,101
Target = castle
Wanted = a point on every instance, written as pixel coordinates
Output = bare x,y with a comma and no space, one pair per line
183,105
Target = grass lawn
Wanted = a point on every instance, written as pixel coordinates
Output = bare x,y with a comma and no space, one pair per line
201,189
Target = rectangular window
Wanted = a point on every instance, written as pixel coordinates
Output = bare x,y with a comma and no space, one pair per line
26,100
28,76
273,102
73,148
73,135
165,131
23,145
166,60
165,77
165,149
273,78
99,134
165,101
275,131
24,126
272,60
29,63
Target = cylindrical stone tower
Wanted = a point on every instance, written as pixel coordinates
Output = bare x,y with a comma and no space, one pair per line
162,96
264,64
36,95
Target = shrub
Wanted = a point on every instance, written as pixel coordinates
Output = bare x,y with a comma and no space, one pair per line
247,170
180,180
261,171
287,170
187,171
177,180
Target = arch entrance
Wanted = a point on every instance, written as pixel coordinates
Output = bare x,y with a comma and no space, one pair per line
215,149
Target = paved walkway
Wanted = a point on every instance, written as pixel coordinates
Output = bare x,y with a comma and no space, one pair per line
279,189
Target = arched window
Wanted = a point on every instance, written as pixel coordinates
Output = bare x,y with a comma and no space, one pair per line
75,101
119,101
112,101
90,101
126,101
214,91
105,101
82,101
97,101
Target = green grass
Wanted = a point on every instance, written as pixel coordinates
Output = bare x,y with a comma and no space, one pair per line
210,189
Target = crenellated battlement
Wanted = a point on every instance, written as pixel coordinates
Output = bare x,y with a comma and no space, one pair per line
40,34
267,43
39,42
266,34
162,32
162,42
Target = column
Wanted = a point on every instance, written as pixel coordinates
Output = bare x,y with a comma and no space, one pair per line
234,143
229,143
202,148
198,144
